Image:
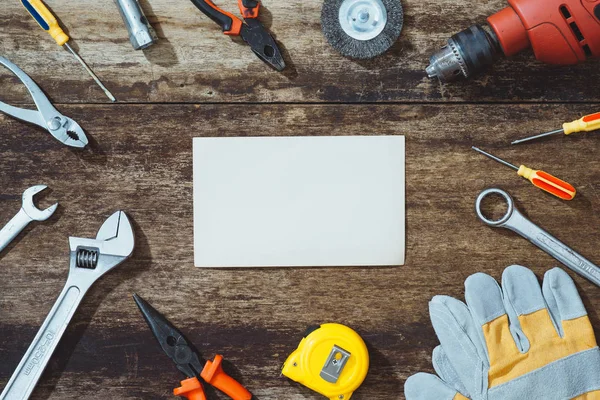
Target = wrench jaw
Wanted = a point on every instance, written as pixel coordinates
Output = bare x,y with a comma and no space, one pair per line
92,258
29,206
117,231
515,221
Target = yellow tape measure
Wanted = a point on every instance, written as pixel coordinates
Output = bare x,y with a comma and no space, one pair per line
332,360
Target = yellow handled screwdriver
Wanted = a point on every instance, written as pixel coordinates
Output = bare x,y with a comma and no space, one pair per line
48,22
586,124
540,179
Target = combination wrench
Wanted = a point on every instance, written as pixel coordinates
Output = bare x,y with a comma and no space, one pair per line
517,222
89,260
28,213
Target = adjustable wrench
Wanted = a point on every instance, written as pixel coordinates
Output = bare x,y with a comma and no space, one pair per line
90,259
517,222
26,214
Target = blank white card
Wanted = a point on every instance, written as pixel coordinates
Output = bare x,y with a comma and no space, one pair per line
299,201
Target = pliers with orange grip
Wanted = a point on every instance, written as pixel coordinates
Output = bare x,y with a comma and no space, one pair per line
189,361
250,29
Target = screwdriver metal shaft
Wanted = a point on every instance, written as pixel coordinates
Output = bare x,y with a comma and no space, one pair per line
501,161
48,22
539,179
585,124
541,135
92,74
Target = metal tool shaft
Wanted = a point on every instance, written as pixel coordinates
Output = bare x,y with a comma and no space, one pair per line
32,365
541,135
92,74
12,229
141,33
501,161
517,222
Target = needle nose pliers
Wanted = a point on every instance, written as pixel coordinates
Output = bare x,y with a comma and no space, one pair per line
188,360
251,29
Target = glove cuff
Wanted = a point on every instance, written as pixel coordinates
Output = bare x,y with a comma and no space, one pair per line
566,378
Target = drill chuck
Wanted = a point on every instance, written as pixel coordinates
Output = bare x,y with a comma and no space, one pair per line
560,32
466,53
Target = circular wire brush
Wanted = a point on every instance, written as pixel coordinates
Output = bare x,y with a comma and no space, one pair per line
362,29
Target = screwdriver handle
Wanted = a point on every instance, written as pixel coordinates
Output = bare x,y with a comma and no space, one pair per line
46,20
213,374
548,183
588,123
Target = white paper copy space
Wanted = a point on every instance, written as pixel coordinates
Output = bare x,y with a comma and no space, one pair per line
299,201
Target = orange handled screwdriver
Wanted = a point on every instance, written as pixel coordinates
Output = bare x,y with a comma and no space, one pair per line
540,179
586,124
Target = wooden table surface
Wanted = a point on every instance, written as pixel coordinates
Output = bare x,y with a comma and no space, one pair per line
196,82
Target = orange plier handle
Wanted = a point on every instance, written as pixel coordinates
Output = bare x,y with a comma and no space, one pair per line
249,8
191,389
230,24
214,375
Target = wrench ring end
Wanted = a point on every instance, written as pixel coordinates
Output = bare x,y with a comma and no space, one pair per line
509,205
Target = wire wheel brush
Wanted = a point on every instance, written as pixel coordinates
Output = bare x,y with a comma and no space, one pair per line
362,29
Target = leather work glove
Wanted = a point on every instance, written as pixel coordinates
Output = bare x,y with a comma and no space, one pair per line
518,342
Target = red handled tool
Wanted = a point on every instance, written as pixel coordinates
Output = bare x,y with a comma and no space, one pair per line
539,179
558,31
251,30
189,361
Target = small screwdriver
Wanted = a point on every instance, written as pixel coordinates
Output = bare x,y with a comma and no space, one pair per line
540,179
586,124
48,22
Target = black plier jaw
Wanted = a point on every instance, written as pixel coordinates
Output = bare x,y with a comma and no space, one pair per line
189,361
171,340
262,43
250,29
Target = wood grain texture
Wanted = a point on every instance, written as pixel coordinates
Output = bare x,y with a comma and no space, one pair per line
194,62
141,162
197,82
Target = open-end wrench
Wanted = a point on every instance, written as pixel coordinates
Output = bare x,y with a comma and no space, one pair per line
28,213
517,222
90,259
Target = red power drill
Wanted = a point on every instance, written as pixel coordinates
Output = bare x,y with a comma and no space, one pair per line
559,31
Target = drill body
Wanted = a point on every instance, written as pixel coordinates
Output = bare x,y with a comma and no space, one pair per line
559,32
